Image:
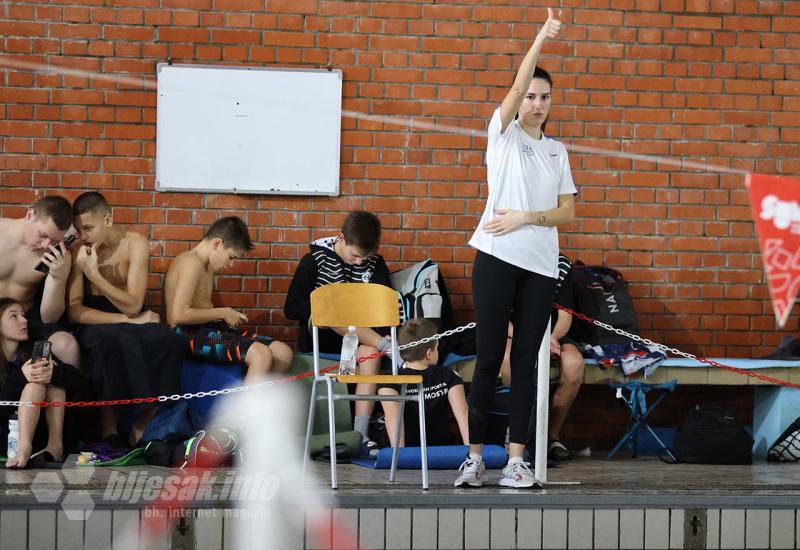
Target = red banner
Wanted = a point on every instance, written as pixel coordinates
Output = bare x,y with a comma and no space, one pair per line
776,211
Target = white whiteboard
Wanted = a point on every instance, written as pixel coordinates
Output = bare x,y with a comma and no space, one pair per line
248,130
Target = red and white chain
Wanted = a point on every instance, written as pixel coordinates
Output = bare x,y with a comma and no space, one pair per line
226,391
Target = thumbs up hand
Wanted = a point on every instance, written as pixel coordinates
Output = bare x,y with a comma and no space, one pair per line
551,27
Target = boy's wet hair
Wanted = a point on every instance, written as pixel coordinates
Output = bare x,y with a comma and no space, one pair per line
233,232
413,330
56,208
363,230
91,201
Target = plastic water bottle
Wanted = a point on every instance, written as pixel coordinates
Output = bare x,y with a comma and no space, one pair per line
13,436
347,363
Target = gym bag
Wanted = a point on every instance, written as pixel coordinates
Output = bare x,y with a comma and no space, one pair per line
712,435
601,293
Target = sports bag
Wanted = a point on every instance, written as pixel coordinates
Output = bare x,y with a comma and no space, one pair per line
601,293
712,435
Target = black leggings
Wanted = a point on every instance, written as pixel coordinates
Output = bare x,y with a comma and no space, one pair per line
503,292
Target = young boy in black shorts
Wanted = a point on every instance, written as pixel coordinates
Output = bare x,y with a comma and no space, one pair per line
213,333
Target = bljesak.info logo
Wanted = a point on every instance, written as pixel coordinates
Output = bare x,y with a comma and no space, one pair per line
77,491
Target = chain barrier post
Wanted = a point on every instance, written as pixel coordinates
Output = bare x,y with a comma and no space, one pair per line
542,406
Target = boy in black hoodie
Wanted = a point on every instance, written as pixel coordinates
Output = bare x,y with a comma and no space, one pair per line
349,257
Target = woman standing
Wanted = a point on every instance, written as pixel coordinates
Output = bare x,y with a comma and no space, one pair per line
24,380
515,271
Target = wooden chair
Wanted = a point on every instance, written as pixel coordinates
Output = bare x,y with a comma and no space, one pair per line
361,305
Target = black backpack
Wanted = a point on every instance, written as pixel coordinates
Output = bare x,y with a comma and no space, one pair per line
601,293
712,435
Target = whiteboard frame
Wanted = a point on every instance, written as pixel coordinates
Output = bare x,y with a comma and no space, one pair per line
233,190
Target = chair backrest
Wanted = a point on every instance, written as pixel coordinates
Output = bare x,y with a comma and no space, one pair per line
356,304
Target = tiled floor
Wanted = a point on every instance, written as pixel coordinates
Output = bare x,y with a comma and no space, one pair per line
585,482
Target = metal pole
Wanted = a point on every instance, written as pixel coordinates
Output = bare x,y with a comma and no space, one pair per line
542,405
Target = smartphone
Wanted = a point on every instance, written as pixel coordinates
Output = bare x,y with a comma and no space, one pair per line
43,267
41,351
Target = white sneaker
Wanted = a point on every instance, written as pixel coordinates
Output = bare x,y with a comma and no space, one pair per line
518,475
472,473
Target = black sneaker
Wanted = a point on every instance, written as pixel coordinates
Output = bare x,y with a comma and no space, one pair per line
558,451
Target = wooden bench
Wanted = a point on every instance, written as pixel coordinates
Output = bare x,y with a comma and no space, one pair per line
774,406
685,371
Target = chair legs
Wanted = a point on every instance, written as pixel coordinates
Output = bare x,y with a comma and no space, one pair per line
331,430
630,434
398,427
331,426
423,443
310,427
639,414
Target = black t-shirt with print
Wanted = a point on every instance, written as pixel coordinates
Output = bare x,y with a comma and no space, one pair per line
437,382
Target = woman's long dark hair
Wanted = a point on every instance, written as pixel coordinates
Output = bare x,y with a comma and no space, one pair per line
22,351
538,72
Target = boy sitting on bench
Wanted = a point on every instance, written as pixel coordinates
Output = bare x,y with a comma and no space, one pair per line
133,355
212,333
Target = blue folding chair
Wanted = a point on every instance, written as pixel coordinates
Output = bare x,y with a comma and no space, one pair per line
637,403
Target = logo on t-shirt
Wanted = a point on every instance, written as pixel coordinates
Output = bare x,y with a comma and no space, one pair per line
553,154
528,150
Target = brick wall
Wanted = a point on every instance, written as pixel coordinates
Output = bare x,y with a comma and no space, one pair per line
710,80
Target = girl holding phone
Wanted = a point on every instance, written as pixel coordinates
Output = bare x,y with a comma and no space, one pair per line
27,378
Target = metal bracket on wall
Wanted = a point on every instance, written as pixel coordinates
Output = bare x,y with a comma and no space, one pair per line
694,528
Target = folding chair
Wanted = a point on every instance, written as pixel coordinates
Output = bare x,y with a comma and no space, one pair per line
637,403
361,305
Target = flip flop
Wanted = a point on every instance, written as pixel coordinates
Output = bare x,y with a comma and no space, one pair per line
44,460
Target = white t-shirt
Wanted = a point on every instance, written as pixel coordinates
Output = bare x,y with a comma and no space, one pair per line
523,174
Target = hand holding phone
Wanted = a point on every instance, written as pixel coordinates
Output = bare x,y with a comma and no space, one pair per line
42,351
42,267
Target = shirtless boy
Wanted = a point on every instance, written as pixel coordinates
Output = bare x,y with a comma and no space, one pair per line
213,333
133,355
38,237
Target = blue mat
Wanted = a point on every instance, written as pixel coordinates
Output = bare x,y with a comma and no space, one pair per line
445,457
